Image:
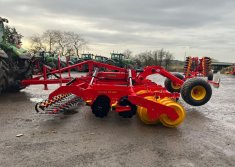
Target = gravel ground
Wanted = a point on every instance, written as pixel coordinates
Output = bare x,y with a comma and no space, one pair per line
206,138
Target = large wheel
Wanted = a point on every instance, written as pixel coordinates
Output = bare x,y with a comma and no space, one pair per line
110,62
165,120
3,76
27,73
101,106
127,114
210,76
143,113
171,86
196,91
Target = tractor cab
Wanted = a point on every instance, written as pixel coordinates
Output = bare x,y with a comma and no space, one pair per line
120,60
47,57
100,58
117,56
87,56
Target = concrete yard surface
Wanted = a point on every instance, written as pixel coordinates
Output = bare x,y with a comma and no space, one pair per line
206,137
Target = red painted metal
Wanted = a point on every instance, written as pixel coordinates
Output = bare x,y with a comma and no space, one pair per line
119,84
43,79
197,69
233,71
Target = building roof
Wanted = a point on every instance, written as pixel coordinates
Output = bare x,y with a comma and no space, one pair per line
222,64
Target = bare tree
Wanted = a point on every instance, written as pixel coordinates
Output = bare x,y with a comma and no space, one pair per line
76,41
60,41
155,57
50,37
36,43
168,60
127,53
63,41
146,58
161,55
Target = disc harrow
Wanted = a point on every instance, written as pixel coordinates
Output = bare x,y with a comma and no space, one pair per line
187,66
206,66
126,92
195,66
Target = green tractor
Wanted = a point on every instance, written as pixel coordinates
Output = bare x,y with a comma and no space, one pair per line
85,57
74,60
100,59
15,62
120,60
71,58
50,59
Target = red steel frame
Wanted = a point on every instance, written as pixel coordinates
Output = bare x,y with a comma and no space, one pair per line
198,68
44,80
115,85
198,71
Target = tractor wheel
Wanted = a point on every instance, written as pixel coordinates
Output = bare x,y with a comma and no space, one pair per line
171,86
2,84
165,120
3,76
127,114
210,76
196,91
110,62
17,86
27,74
101,106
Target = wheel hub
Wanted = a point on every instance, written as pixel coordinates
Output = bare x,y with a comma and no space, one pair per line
198,93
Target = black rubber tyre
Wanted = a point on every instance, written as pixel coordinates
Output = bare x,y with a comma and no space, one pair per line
3,79
168,83
16,87
210,76
110,62
26,74
101,106
194,99
127,114
2,84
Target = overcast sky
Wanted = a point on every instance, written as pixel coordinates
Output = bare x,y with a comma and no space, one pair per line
199,28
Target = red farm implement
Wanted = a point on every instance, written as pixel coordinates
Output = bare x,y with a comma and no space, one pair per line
194,67
233,70
125,91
